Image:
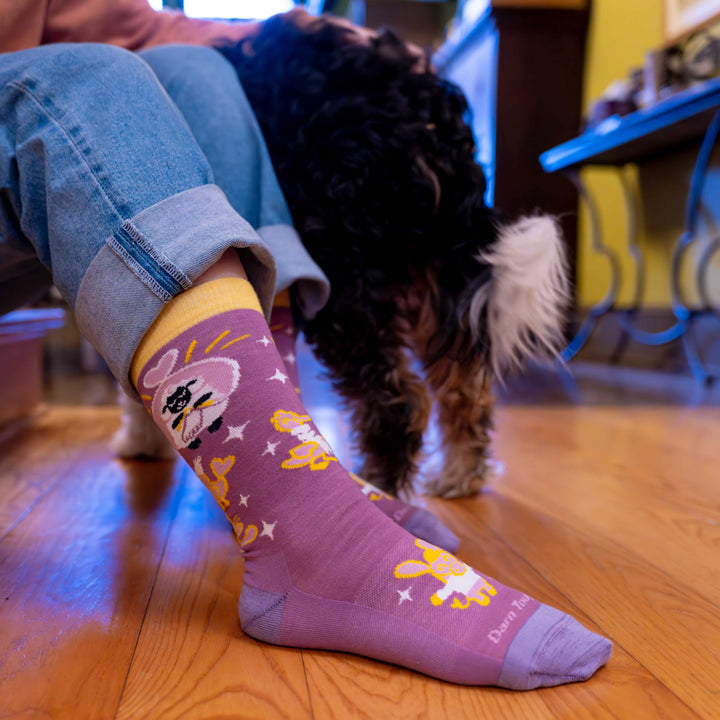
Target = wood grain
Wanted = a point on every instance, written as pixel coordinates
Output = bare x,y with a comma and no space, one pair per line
76,575
587,471
34,460
663,624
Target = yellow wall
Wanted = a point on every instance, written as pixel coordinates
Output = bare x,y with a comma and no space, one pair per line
621,31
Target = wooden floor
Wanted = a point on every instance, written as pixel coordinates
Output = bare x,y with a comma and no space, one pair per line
118,580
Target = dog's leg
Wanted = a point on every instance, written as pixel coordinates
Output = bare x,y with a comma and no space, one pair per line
391,413
462,391
390,405
465,400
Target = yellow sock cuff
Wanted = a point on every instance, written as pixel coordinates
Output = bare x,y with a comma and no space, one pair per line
188,309
282,299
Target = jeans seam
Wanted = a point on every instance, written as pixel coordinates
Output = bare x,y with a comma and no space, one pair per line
151,266
142,274
165,263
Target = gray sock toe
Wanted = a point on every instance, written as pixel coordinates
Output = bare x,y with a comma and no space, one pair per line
551,649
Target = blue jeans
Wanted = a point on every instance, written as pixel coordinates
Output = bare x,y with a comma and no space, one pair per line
105,191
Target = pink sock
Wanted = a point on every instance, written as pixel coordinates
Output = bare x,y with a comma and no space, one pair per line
324,568
415,520
285,337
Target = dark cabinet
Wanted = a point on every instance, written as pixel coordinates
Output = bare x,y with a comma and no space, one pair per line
521,66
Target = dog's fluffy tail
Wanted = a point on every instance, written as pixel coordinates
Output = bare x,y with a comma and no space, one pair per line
526,298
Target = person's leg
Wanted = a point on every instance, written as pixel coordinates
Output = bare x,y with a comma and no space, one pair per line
323,567
205,88
103,182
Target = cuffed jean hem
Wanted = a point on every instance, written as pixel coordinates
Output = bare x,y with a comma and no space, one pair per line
156,255
296,267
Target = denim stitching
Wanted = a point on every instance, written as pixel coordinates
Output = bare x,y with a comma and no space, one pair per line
169,267
153,268
139,272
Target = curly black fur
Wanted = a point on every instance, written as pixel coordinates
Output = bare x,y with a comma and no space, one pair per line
377,162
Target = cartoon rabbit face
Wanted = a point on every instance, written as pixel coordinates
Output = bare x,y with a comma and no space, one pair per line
193,398
457,577
439,563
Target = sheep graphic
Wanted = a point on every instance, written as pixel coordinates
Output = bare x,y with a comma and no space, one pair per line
191,399
456,576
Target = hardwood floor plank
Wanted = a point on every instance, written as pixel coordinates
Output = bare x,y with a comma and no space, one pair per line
192,660
345,686
656,444
668,428
75,578
624,688
35,459
664,625
119,581
630,491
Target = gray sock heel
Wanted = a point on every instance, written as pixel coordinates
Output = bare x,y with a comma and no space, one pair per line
260,613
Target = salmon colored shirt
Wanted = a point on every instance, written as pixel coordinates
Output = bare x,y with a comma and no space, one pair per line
131,24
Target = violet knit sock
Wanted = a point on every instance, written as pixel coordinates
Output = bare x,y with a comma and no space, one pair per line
324,568
284,334
415,520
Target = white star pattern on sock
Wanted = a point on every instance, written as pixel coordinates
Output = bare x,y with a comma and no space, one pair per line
268,529
243,500
278,376
289,358
265,341
236,432
404,595
270,449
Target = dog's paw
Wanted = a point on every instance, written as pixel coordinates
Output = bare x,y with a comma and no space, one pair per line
138,435
446,487
130,443
455,481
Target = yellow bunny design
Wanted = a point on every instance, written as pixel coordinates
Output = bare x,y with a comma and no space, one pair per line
314,451
456,576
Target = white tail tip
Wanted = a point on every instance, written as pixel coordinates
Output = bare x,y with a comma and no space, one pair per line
528,294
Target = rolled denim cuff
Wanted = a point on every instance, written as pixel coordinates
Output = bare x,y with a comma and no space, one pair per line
156,255
296,267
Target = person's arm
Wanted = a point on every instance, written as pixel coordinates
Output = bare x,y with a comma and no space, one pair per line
133,24
21,24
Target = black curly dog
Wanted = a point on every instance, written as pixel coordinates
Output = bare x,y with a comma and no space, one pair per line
377,162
